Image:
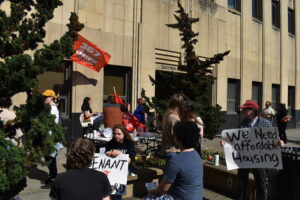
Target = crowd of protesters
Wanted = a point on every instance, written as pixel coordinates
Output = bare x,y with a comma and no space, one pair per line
182,130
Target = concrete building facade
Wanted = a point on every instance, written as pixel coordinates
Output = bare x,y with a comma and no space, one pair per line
262,35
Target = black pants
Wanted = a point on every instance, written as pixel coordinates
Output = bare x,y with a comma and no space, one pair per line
282,134
51,166
260,176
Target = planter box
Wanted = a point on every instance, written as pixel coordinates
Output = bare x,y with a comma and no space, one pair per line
223,181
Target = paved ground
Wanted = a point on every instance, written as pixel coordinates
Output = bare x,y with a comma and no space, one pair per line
33,191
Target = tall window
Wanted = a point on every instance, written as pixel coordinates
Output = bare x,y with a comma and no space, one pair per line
257,93
291,21
276,13
291,100
275,95
257,11
233,95
234,4
120,78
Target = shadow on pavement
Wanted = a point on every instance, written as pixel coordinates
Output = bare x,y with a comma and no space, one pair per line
38,174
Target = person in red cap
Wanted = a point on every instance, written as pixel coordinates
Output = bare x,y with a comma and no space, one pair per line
252,119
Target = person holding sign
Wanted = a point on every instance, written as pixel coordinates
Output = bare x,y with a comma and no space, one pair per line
121,143
80,182
183,177
251,119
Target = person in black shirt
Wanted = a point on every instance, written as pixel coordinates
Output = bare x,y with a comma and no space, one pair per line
88,113
80,182
281,116
121,143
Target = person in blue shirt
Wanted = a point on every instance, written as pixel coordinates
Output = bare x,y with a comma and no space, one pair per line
183,177
139,113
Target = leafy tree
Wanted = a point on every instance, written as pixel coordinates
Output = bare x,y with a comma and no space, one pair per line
22,30
195,82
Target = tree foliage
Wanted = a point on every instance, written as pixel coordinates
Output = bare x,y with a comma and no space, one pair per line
23,56
195,82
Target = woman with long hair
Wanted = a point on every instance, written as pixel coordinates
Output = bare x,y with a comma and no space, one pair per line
79,181
88,115
86,109
169,120
189,113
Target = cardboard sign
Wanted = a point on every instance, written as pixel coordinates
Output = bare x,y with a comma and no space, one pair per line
252,148
89,55
116,170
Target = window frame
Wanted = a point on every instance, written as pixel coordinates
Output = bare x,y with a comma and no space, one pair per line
259,95
275,12
291,100
126,72
257,10
291,21
234,4
276,100
235,100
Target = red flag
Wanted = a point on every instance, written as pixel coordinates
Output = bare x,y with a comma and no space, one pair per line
131,122
118,99
89,55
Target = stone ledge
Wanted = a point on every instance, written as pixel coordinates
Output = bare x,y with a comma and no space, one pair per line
215,177
224,181
136,184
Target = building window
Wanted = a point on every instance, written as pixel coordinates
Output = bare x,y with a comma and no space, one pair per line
234,4
276,13
60,81
257,9
233,95
291,100
120,78
275,95
257,93
291,21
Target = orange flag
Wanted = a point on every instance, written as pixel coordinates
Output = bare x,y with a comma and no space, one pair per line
89,55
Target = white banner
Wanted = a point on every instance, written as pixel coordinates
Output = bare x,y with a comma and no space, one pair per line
116,170
252,148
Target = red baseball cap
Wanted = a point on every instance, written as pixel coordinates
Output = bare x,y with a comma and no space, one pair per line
250,104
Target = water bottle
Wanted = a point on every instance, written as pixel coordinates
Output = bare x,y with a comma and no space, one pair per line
216,158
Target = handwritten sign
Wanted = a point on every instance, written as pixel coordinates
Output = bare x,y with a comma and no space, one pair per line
252,148
116,170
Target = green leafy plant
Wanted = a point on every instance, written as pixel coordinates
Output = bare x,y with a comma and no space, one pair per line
22,30
155,159
195,82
